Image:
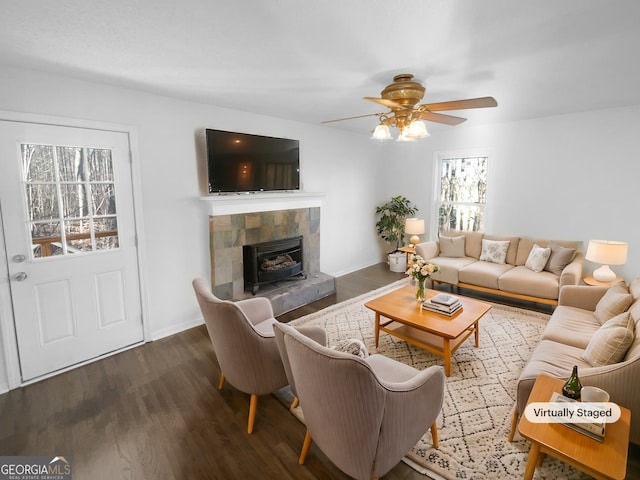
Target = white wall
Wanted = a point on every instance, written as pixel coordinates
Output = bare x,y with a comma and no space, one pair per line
175,222
572,177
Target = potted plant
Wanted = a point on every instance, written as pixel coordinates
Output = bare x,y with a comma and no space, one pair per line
390,227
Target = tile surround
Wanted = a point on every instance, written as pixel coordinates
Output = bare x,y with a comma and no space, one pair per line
229,232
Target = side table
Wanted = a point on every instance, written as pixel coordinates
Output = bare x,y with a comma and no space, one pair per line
601,460
409,250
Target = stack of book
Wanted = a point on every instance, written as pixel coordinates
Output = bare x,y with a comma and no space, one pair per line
443,303
594,430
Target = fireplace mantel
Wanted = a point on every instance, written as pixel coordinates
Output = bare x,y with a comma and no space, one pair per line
230,204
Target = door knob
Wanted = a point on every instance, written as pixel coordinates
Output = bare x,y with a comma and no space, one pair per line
20,276
19,258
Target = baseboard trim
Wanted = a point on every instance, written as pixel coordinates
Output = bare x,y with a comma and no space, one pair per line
173,329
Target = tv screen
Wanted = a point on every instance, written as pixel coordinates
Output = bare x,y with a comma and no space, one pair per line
240,162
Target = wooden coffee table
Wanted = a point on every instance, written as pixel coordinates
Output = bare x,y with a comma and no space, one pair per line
439,334
602,460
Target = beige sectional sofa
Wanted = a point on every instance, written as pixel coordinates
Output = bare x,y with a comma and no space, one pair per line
518,267
595,328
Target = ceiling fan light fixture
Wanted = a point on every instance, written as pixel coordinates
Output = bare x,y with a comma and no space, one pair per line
381,132
417,129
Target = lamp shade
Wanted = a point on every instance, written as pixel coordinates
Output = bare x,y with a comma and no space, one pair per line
607,252
414,226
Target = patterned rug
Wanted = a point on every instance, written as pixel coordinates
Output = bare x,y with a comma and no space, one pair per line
474,425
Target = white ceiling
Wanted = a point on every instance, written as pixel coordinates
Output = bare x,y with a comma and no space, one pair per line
314,60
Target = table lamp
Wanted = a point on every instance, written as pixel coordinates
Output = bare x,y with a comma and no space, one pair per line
414,227
606,253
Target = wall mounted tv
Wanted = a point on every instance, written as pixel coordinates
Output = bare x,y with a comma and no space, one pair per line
240,162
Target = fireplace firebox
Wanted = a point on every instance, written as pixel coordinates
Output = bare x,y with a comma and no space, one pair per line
272,261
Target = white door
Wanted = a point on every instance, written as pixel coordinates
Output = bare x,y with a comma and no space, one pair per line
67,208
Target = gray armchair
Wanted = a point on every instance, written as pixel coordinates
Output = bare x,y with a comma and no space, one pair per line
243,340
364,414
315,333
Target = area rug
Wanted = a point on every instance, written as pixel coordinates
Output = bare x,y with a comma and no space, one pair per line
474,424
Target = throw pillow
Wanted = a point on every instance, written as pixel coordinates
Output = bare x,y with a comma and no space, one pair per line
560,257
452,246
538,258
353,346
615,301
494,251
611,342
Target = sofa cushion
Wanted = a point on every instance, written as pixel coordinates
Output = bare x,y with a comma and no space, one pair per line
614,302
571,326
560,257
538,258
552,358
523,281
472,241
611,342
512,251
634,289
634,349
452,246
494,251
449,267
483,274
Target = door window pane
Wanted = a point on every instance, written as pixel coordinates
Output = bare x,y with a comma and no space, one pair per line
70,164
103,199
100,165
42,201
36,163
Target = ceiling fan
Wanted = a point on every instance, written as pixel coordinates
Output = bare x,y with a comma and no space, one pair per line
402,97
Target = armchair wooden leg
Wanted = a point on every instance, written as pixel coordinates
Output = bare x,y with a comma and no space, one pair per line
434,434
295,403
221,384
514,424
253,406
305,448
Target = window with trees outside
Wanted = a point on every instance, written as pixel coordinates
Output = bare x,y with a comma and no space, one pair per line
70,197
461,200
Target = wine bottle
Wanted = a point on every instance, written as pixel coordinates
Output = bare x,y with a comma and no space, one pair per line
572,387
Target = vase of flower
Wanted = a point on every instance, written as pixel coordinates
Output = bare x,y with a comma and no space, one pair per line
419,269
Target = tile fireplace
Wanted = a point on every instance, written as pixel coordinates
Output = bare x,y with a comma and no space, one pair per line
229,233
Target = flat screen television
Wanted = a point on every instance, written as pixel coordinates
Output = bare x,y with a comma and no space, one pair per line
241,162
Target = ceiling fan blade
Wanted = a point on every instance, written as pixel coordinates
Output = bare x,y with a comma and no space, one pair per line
357,116
385,102
441,118
481,102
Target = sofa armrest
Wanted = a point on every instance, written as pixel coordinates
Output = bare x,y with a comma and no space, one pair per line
427,250
581,296
572,273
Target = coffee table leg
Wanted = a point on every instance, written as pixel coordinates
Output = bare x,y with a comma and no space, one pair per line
532,463
377,328
447,357
477,334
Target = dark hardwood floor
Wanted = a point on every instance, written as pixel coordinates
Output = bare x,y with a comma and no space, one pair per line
155,412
